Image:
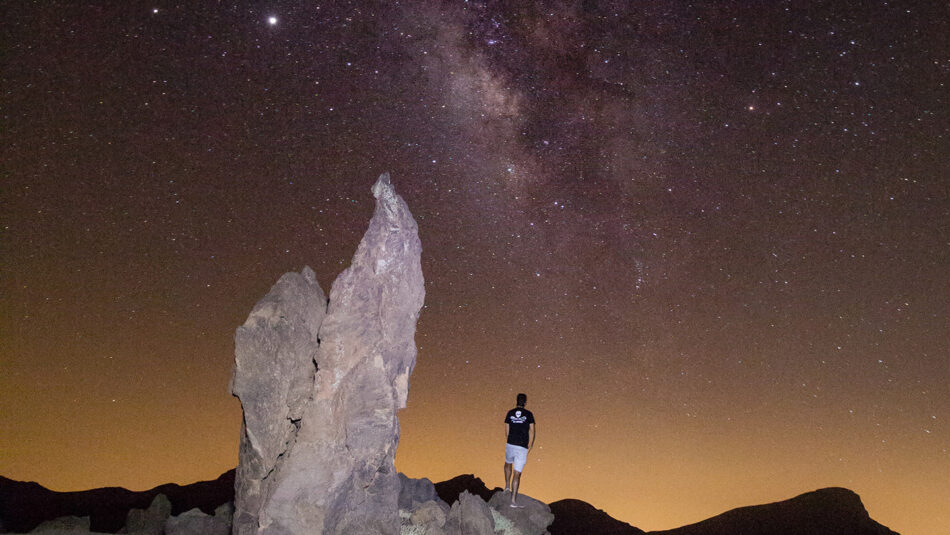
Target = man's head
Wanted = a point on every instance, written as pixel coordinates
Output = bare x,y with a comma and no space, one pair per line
522,399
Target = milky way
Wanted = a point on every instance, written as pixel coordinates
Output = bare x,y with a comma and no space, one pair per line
709,241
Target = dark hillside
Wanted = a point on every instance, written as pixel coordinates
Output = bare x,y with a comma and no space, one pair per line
23,506
831,511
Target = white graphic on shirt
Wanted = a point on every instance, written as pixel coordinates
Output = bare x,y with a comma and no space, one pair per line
517,418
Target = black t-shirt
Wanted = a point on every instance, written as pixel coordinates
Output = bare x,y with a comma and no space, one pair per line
519,420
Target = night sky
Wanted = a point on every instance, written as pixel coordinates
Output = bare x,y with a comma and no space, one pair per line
710,241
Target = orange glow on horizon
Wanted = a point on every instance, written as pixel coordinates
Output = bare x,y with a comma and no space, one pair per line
656,468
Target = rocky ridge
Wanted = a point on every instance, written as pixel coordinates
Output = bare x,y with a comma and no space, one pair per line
23,506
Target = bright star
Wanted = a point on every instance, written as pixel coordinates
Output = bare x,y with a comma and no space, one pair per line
272,20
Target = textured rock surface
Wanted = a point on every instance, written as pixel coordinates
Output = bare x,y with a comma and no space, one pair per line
225,513
320,386
532,519
273,377
431,513
149,521
470,515
196,522
414,492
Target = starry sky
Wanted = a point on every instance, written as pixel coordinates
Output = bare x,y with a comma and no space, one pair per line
709,240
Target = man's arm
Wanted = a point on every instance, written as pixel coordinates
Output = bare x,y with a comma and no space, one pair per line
506,432
530,435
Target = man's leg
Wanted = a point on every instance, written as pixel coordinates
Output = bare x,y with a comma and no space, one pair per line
507,476
521,457
515,481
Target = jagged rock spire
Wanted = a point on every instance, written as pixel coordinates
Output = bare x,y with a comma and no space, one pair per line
320,384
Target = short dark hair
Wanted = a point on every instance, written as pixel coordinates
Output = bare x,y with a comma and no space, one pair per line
522,399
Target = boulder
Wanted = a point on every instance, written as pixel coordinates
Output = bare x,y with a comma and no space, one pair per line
320,385
413,492
470,515
503,526
149,521
196,522
431,513
531,519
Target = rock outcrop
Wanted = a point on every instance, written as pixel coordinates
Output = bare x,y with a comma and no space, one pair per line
320,385
470,515
274,368
149,521
197,522
414,492
532,518
430,514
830,511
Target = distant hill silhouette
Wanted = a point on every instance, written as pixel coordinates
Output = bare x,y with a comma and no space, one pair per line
575,517
23,506
832,511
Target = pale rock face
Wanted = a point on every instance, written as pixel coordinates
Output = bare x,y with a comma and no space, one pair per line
320,386
273,377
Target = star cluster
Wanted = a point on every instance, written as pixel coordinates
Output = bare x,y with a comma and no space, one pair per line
710,241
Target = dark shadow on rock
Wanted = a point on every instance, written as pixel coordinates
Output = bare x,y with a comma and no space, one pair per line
450,490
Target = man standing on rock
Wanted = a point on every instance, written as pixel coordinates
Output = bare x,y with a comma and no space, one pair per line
519,432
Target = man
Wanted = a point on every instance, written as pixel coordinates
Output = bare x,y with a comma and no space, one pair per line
519,433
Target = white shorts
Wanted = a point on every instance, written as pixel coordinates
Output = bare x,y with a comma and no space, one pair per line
517,456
